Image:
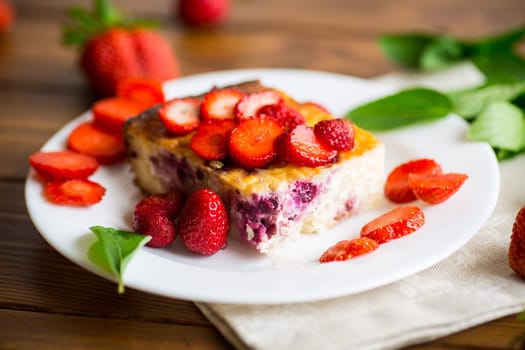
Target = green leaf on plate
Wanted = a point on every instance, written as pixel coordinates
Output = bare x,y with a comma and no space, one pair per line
401,109
114,249
470,102
502,125
406,49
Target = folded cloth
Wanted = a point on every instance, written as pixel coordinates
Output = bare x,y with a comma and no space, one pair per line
472,286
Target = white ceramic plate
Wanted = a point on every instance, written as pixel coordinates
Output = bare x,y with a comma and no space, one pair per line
239,275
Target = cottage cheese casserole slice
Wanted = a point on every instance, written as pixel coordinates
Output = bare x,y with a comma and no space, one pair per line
269,205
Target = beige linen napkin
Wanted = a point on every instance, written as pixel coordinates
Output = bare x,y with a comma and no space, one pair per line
472,286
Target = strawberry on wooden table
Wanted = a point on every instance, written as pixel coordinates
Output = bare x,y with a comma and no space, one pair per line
63,165
202,12
7,15
114,48
396,223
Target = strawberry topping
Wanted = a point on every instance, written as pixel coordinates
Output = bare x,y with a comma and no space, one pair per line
396,223
76,192
63,165
211,139
250,104
147,91
219,104
111,113
302,148
397,188
348,249
336,134
252,142
435,189
180,115
288,117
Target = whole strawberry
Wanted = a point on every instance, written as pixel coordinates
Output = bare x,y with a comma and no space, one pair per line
203,223
202,12
517,244
114,49
7,15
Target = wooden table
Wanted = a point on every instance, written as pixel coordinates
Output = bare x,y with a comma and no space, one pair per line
47,302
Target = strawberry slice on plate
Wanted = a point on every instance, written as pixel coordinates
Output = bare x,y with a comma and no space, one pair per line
302,148
111,113
396,223
248,106
181,115
63,165
397,188
219,104
76,192
435,189
211,139
348,249
147,91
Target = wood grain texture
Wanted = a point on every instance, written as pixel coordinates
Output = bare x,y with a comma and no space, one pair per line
46,301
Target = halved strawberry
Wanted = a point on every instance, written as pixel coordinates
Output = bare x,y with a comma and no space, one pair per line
219,104
288,117
348,249
397,188
147,91
517,244
77,192
181,115
106,148
63,165
434,189
394,224
248,106
302,148
337,134
111,113
211,139
252,142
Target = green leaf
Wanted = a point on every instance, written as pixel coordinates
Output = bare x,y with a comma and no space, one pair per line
503,41
82,18
108,15
74,36
114,249
470,102
442,53
401,109
406,49
502,125
500,66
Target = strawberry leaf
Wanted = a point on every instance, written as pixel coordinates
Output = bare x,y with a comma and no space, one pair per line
114,249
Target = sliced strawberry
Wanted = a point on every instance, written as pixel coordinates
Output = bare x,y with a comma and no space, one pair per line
63,165
348,249
397,188
248,106
288,117
106,148
211,139
203,223
111,113
396,223
337,134
517,244
77,192
219,104
181,115
252,142
147,91
302,148
434,189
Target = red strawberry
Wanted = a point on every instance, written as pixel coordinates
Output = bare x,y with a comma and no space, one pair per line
211,139
288,117
252,142
63,165
76,192
114,49
147,91
219,104
250,104
7,15
106,148
348,249
180,115
394,224
111,113
397,188
337,134
517,244
203,12
154,216
203,223
302,148
434,189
